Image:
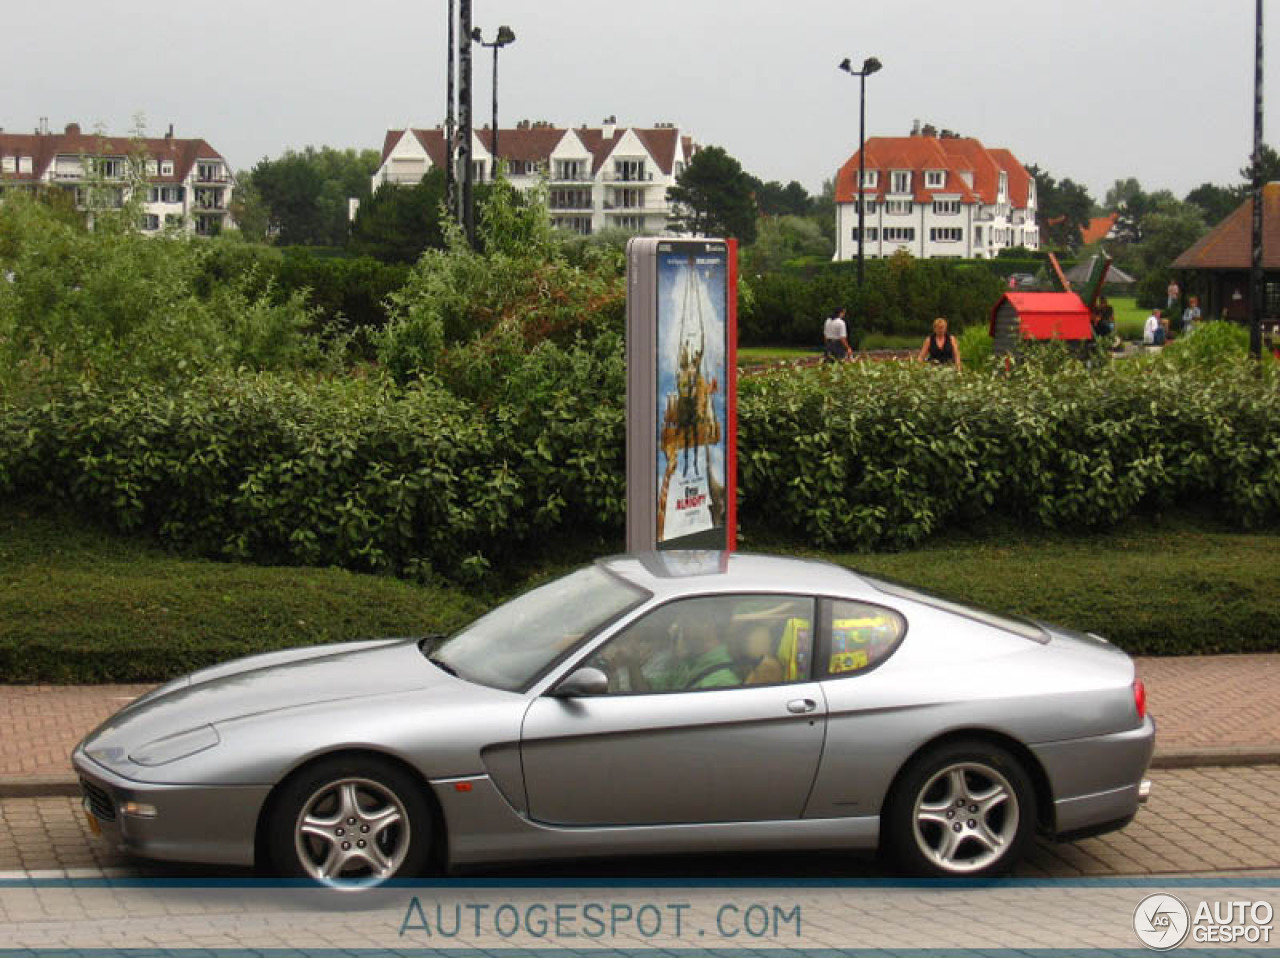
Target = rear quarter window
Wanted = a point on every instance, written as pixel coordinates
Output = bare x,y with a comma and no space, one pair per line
858,636
1009,623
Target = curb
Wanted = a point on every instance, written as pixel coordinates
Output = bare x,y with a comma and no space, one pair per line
50,786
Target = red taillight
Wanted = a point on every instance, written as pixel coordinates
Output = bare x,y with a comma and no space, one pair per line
1140,698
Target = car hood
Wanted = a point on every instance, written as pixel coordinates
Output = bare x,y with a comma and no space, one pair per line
263,683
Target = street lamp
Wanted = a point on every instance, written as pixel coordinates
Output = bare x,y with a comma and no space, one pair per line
869,66
505,35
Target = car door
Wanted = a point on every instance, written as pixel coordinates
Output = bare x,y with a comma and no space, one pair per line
711,716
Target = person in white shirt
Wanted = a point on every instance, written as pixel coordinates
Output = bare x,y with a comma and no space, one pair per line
836,337
1153,330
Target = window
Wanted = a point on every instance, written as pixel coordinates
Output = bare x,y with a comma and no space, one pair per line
569,170
209,172
870,179
633,223
718,642
629,170
898,207
109,169
872,233
899,234
901,181
574,224
629,199
977,235
862,636
9,165
166,168
946,207
569,199
871,206
150,222
1271,298
173,219
935,179
946,234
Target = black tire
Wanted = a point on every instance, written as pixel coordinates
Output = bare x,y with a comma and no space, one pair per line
962,810
354,821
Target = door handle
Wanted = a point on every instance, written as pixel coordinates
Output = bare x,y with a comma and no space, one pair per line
802,706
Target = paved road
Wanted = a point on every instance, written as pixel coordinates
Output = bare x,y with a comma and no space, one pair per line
1198,820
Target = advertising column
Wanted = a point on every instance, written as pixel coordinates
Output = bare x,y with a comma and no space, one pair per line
681,394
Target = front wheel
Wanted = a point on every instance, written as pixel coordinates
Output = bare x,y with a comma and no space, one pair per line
962,810
353,822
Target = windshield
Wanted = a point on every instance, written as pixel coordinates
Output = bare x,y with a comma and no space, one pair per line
515,643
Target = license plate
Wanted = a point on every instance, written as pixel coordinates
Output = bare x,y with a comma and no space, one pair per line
94,826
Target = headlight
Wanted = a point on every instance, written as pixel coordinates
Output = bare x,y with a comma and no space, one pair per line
173,747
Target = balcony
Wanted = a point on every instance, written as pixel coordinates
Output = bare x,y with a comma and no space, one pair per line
628,176
211,176
582,176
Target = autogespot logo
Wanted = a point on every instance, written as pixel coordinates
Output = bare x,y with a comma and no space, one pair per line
1161,922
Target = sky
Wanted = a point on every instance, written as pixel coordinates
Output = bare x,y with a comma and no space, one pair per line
1091,90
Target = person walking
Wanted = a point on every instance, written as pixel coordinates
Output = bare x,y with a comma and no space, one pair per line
940,348
835,334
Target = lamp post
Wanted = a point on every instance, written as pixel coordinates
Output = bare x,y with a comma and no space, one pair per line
1257,289
869,66
464,120
505,35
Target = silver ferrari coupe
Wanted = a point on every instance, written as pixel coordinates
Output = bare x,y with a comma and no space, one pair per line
661,703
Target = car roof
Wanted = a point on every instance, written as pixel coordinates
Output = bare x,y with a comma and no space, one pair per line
675,573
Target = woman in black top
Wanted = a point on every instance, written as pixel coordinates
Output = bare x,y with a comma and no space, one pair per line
941,347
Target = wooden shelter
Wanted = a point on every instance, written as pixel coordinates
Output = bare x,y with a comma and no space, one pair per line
1221,260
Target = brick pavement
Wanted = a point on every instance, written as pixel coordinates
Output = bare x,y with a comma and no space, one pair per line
1216,710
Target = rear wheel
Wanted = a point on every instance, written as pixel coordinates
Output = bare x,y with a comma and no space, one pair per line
962,810
355,821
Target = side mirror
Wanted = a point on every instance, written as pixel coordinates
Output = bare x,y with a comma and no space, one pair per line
582,682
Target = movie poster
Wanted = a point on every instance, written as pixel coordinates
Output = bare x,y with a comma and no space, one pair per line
692,382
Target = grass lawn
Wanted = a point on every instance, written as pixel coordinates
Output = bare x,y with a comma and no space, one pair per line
1129,316
81,605
767,355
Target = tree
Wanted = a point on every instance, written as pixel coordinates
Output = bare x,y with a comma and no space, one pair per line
1270,167
774,199
1215,202
398,222
306,194
712,197
1064,208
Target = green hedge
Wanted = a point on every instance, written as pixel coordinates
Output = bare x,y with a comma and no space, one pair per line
899,295
884,455
414,480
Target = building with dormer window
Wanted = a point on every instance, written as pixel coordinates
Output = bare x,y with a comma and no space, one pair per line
188,183
597,178
935,194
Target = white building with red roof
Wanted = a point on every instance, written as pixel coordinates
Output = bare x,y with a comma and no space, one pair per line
935,195
188,183
598,178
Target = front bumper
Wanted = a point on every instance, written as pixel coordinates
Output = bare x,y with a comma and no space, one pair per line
182,823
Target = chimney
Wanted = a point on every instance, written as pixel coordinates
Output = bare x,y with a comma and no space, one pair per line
73,129
610,127
915,127
169,135
929,130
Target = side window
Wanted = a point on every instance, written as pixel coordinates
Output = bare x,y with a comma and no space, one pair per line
711,643
862,636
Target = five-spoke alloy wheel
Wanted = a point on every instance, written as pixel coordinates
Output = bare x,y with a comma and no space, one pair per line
350,822
962,810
